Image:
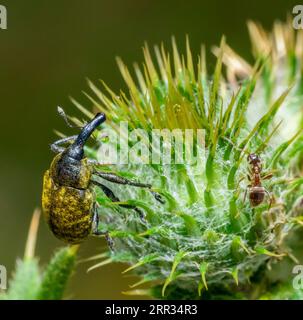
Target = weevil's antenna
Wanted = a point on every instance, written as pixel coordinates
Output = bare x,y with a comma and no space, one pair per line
64,116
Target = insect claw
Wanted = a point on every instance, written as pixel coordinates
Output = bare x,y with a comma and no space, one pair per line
158,197
110,242
141,215
271,200
108,238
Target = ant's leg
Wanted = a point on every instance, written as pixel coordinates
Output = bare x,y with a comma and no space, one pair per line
109,176
270,199
245,194
96,232
114,198
240,180
267,176
56,146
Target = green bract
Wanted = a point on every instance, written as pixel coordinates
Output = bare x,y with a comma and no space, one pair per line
206,240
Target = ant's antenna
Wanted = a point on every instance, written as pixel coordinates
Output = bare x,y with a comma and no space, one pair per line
236,147
263,144
64,116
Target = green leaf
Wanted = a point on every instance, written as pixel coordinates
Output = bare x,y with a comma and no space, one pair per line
262,250
191,225
203,269
179,256
26,281
57,274
147,259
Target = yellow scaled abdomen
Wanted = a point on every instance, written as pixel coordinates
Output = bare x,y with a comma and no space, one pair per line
67,210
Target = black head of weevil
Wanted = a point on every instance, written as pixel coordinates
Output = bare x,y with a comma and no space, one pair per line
68,198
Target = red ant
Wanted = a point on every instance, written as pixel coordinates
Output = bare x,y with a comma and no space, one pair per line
255,190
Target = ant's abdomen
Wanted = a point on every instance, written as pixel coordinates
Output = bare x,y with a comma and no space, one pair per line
256,196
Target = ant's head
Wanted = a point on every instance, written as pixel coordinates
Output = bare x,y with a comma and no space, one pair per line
253,158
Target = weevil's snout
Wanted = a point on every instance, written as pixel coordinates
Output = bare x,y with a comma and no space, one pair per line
98,119
101,116
75,151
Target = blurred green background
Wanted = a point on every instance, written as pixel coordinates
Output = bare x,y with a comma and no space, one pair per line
46,54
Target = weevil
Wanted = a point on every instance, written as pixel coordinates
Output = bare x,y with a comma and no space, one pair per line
68,197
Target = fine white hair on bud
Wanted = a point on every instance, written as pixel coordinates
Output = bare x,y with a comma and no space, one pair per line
225,222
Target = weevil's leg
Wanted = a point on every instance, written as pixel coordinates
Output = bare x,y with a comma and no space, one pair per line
96,232
56,146
96,163
114,198
106,191
157,196
112,177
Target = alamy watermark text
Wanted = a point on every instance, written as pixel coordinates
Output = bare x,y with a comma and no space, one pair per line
3,278
3,17
297,22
